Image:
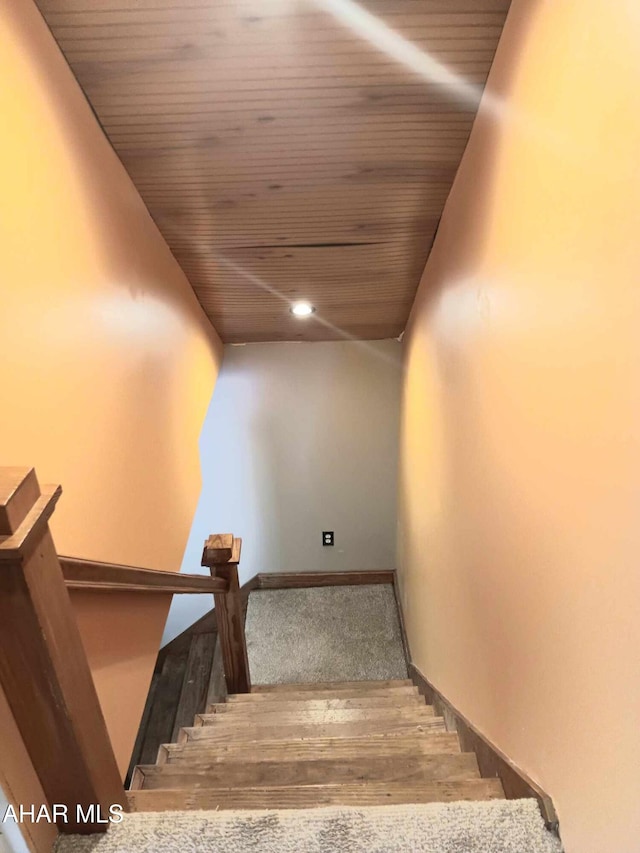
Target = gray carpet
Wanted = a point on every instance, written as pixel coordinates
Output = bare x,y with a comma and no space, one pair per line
335,633
500,826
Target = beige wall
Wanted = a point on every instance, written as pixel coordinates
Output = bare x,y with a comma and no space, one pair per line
520,443
108,361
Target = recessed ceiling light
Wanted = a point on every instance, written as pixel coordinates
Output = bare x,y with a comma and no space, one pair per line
302,309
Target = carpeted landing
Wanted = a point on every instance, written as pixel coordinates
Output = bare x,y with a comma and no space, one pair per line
335,633
499,826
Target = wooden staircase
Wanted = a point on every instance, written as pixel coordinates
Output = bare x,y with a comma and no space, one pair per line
306,745
277,747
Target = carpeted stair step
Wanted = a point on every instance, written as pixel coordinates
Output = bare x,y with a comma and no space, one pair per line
306,796
322,704
495,826
310,749
293,731
204,773
290,716
333,687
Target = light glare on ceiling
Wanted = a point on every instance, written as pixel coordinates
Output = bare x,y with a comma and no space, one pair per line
302,309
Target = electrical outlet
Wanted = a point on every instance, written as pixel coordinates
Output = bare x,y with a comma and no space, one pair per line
327,537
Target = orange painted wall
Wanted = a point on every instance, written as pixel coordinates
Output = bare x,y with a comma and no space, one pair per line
108,362
520,450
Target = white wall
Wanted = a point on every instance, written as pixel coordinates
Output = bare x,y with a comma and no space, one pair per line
11,839
299,438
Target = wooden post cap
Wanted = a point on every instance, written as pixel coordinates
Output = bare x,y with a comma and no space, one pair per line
24,509
19,490
218,548
235,551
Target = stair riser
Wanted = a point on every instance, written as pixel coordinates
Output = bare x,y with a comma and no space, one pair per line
351,693
203,774
357,729
417,714
312,796
282,705
334,687
345,749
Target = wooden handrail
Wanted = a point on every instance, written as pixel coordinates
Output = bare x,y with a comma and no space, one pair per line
111,577
221,555
44,670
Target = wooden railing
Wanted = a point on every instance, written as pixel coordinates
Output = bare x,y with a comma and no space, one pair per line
44,671
105,577
43,668
222,555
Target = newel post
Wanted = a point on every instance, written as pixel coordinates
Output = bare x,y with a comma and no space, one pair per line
221,555
44,671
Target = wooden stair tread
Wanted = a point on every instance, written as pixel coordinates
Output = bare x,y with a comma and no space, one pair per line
334,687
203,773
340,715
311,748
383,726
308,796
284,696
321,704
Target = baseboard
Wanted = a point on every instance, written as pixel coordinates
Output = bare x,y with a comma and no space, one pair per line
303,580
403,630
491,761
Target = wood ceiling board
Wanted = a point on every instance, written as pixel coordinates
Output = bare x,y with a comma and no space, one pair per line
294,150
388,7
281,155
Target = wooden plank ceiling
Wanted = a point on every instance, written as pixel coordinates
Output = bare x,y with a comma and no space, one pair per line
281,154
